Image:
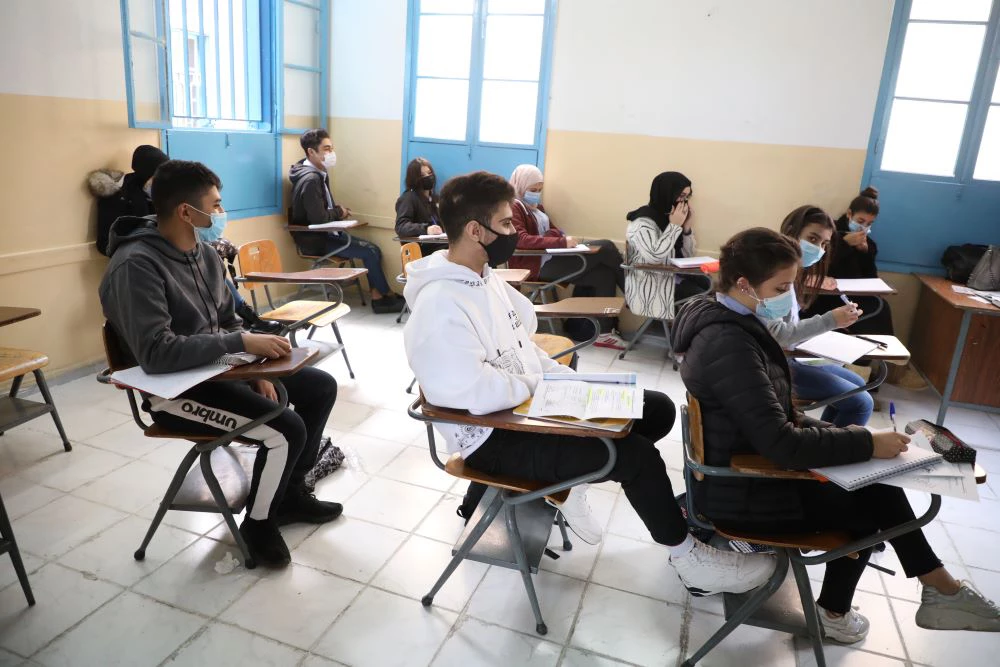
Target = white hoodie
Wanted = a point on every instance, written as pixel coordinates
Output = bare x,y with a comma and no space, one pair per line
468,341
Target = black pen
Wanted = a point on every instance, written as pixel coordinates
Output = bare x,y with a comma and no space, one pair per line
880,344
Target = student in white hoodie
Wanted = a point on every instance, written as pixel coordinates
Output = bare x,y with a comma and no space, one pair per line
468,341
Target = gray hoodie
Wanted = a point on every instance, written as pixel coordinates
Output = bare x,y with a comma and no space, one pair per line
171,308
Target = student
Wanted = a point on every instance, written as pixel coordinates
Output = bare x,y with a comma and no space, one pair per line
738,372
812,228
164,292
417,207
657,232
603,274
313,204
128,196
471,349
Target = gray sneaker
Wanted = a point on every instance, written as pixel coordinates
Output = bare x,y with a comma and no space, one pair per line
965,610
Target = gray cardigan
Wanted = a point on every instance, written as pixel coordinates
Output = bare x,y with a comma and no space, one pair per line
790,330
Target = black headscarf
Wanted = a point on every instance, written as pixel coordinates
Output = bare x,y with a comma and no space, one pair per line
663,193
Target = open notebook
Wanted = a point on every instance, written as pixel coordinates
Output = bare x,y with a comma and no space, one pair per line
690,262
854,476
837,347
172,385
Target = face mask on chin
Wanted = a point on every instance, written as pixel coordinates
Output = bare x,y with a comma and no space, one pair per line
500,249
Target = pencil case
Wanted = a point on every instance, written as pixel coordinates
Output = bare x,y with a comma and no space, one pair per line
944,442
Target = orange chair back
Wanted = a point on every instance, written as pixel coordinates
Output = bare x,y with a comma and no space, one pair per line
259,256
409,253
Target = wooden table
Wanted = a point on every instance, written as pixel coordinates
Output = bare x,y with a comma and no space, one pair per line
416,239
12,314
582,307
512,276
956,347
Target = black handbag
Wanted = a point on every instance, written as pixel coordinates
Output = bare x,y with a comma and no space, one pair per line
960,260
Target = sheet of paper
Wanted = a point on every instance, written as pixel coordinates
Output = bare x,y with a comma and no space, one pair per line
573,250
586,400
337,224
837,346
690,262
167,385
956,487
963,289
849,285
433,237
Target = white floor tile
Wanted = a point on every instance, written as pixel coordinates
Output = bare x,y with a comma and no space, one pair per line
577,658
393,424
168,454
628,627
369,454
746,645
502,600
346,414
68,470
318,661
8,576
349,548
63,524
126,440
578,562
294,606
626,523
384,630
638,567
883,636
977,547
418,564
21,496
392,504
476,643
414,466
843,656
110,554
341,484
62,598
443,524
8,659
193,522
21,446
189,580
130,630
128,488
221,645
81,422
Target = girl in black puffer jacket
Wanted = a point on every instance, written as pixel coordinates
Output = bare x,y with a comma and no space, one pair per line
738,373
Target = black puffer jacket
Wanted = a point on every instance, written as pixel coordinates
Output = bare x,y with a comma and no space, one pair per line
738,373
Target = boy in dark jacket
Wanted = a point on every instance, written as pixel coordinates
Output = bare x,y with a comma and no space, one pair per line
313,204
164,292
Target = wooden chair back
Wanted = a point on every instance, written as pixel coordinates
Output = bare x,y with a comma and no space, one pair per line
696,434
118,355
409,253
553,344
259,256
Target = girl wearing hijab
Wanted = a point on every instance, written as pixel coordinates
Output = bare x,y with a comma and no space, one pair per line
603,274
657,232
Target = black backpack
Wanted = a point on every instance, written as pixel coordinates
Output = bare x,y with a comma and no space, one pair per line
960,260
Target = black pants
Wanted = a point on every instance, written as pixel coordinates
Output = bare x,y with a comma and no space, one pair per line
639,467
880,324
861,513
690,286
602,276
290,440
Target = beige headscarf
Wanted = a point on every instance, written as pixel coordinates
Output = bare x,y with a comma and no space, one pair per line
524,177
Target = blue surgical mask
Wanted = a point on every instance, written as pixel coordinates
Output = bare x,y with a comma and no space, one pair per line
213,233
532,198
858,227
775,307
811,253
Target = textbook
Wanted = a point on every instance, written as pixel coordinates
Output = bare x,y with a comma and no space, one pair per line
580,247
853,476
605,424
690,262
171,385
608,378
586,400
837,347
336,224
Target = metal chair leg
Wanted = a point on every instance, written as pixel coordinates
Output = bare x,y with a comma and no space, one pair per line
227,514
7,535
168,499
44,388
357,282
635,338
343,350
406,309
809,610
522,564
15,386
561,522
409,387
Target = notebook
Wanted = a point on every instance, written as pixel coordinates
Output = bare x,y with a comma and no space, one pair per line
609,378
873,285
857,475
604,424
337,224
171,385
837,347
433,237
574,250
690,262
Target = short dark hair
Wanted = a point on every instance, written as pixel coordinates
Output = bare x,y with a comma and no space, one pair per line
179,182
312,139
474,196
756,254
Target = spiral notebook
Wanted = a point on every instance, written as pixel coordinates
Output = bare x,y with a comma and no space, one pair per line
853,476
171,385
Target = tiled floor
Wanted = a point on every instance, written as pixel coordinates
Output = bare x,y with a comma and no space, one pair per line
352,594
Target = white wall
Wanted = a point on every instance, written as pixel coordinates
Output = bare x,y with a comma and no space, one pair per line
799,72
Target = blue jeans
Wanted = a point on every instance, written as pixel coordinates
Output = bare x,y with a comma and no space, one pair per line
369,254
816,383
236,295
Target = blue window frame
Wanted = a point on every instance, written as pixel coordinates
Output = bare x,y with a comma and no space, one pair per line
206,71
934,151
477,83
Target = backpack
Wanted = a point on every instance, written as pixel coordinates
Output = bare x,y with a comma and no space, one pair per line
986,275
960,260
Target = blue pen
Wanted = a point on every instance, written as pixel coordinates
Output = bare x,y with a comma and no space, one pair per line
892,416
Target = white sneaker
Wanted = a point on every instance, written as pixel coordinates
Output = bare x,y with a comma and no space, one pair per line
850,628
706,570
965,610
578,515
610,340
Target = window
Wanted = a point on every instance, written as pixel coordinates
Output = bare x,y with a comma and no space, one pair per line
477,83
203,71
935,147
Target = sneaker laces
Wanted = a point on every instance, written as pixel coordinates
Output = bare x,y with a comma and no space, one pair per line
990,604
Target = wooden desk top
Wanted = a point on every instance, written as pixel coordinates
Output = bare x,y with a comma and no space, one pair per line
273,368
506,419
591,250
943,288
317,276
512,276
667,268
326,230
894,353
11,314
583,306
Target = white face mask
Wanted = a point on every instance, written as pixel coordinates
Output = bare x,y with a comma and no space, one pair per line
330,160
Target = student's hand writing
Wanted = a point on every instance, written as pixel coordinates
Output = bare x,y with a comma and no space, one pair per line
888,445
435,229
829,283
265,389
266,345
857,240
679,214
845,316
571,241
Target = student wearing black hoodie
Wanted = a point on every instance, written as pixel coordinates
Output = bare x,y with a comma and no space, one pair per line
738,372
165,294
313,204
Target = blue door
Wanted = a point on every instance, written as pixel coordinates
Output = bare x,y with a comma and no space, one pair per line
477,83
934,152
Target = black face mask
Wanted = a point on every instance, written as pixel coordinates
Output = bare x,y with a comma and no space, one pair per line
500,249
428,182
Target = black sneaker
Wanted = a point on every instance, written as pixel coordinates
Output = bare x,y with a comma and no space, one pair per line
265,542
300,506
388,304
